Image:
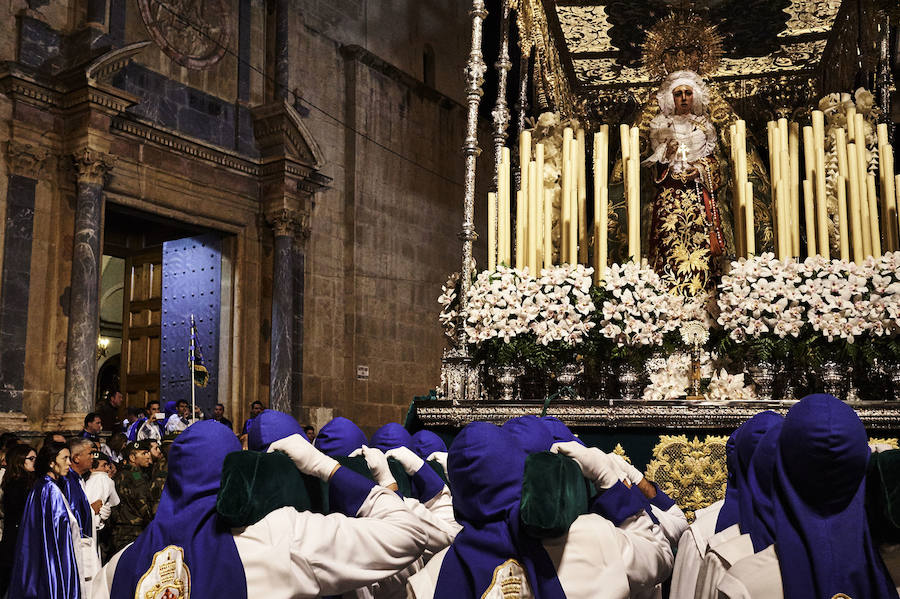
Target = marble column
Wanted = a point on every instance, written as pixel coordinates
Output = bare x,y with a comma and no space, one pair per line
26,164
81,350
281,345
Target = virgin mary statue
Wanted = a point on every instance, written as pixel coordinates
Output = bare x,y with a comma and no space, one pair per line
687,241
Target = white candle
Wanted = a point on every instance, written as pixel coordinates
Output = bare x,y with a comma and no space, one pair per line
492,234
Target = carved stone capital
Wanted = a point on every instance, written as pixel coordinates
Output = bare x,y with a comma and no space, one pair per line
27,160
285,222
92,166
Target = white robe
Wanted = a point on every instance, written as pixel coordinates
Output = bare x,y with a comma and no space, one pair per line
724,549
100,486
672,523
691,549
755,577
295,555
436,516
759,575
595,559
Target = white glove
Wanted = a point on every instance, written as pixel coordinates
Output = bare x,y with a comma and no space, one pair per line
595,465
306,458
105,510
626,470
378,465
409,460
440,457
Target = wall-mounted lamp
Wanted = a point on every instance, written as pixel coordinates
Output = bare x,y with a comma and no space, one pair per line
102,344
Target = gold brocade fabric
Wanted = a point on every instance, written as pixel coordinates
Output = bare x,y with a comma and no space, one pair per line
692,473
681,228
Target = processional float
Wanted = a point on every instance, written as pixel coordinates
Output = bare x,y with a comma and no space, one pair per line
656,261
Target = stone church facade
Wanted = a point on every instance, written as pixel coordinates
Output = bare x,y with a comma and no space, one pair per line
287,172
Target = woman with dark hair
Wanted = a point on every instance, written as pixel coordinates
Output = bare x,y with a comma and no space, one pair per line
16,485
46,562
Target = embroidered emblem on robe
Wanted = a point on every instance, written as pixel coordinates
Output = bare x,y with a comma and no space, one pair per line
508,582
167,578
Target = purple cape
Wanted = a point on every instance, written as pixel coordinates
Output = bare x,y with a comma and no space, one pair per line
426,443
822,535
45,565
757,507
187,518
485,467
743,443
270,426
389,436
339,438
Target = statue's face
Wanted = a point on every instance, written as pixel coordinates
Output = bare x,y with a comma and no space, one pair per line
683,95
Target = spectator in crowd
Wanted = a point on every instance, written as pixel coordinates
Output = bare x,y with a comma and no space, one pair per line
255,408
46,565
131,425
310,432
108,410
219,416
116,445
181,419
100,487
92,426
16,484
159,471
135,509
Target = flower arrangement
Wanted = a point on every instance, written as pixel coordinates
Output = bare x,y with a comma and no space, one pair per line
671,380
515,318
760,305
795,313
816,309
637,312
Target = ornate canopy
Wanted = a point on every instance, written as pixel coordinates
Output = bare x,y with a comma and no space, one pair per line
590,51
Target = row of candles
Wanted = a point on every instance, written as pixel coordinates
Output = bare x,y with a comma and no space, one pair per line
867,219
860,222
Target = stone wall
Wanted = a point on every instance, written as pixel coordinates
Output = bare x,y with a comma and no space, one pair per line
383,234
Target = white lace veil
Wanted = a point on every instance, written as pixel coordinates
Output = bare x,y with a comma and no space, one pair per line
677,79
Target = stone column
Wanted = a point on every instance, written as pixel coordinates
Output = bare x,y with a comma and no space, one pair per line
26,165
81,350
284,223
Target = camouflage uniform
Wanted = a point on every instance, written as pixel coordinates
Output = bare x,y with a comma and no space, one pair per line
158,473
137,506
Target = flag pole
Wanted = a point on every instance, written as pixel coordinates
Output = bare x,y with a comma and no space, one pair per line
192,361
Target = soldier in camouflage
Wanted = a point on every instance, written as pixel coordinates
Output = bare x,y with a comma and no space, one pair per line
133,486
159,470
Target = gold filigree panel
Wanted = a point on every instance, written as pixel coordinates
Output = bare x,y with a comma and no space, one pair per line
691,472
792,57
586,28
810,16
605,71
534,32
891,442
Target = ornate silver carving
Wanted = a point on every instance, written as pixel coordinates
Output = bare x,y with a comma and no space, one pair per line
474,72
763,374
629,382
663,415
833,378
508,377
459,377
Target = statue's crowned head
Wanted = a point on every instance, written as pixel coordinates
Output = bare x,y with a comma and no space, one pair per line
680,88
682,42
